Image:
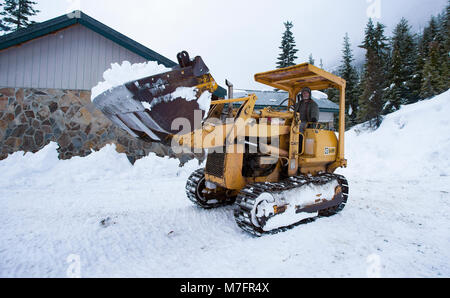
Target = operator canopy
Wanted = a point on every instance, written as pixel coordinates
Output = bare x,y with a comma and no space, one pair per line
295,78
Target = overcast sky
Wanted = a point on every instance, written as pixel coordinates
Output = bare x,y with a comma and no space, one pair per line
238,38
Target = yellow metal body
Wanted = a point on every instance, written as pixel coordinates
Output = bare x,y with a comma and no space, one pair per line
293,79
321,150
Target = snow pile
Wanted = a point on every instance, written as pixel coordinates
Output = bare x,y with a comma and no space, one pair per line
126,72
120,74
204,102
187,93
319,95
44,169
410,143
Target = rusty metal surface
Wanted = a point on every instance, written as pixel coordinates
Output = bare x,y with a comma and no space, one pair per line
145,107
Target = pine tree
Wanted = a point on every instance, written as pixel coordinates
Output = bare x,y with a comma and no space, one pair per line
333,95
17,13
311,59
403,68
288,50
446,27
432,80
416,81
428,35
3,27
446,57
444,49
435,58
348,72
371,101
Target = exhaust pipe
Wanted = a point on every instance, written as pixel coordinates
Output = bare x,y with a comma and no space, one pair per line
230,96
230,89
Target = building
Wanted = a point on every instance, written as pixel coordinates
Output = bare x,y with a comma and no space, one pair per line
46,74
276,100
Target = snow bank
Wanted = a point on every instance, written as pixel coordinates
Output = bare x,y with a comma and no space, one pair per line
44,169
120,74
410,143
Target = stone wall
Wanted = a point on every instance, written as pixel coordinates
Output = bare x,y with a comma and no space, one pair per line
32,118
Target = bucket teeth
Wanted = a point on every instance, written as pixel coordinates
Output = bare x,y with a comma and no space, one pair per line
122,125
150,122
141,126
129,114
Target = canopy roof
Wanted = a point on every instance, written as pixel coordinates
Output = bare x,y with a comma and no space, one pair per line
297,77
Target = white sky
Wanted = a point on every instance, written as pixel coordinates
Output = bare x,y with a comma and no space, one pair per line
238,38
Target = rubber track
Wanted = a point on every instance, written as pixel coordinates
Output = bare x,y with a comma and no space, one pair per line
247,198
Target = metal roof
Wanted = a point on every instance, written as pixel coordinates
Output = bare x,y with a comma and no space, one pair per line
274,99
78,17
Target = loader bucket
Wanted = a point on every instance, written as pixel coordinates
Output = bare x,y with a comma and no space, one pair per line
147,108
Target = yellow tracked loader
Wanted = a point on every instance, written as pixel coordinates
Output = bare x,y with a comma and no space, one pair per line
276,175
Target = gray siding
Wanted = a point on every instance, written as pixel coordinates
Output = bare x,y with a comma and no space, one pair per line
326,117
73,58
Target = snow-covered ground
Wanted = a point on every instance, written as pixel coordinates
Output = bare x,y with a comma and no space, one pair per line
124,221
